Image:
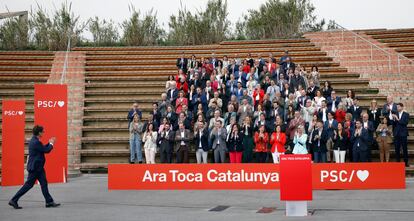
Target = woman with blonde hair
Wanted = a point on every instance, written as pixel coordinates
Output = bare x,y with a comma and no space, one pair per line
135,131
247,130
374,113
340,113
300,141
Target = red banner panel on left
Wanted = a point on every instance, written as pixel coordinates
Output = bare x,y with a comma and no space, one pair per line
51,112
12,159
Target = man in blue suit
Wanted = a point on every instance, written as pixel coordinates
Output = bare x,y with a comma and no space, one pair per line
400,132
172,94
134,110
36,170
359,141
333,102
199,98
239,91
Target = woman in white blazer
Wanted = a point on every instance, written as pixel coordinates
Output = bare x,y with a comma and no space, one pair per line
150,144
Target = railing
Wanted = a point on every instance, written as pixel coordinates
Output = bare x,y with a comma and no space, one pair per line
373,47
65,64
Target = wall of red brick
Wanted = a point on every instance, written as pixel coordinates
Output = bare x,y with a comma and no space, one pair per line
388,72
75,79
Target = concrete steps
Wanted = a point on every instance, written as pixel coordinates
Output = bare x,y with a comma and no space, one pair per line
402,40
19,71
115,77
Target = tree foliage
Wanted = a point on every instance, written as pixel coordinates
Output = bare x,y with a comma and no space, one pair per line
14,33
142,31
279,19
104,32
203,27
53,32
273,19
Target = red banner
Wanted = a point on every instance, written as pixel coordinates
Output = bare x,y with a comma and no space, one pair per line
12,160
359,176
296,177
251,176
50,111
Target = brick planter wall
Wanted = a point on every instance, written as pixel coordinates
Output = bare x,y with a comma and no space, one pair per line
75,79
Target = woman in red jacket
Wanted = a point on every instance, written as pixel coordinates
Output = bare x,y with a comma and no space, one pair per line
182,84
246,67
278,140
258,95
261,139
340,113
271,66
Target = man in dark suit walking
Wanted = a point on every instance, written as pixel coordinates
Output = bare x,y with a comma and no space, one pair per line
35,167
400,132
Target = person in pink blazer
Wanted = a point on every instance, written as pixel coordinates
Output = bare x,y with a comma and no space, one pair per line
181,100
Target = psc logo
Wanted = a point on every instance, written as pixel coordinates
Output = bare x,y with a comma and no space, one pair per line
50,104
13,113
343,176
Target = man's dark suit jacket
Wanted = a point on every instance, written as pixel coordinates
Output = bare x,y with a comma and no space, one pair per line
361,140
37,152
204,140
400,127
183,65
356,113
174,96
322,142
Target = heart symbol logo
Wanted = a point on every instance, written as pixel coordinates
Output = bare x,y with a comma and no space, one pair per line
362,175
20,113
61,103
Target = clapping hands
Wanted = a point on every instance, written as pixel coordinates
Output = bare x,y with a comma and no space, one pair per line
52,140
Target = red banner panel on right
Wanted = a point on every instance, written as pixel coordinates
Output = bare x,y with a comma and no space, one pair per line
348,176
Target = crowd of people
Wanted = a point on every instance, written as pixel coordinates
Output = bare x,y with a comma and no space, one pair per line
256,109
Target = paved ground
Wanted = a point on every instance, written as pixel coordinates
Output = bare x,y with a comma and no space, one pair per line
87,198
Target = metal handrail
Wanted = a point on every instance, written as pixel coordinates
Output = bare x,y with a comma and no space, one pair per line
359,36
343,29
